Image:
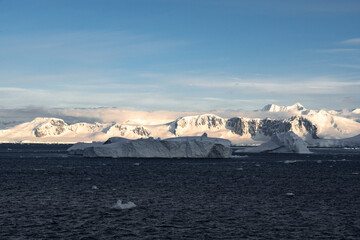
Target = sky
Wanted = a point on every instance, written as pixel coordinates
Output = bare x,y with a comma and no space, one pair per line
179,55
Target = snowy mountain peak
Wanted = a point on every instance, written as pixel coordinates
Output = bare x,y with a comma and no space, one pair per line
275,108
46,119
49,127
356,111
297,106
272,108
204,122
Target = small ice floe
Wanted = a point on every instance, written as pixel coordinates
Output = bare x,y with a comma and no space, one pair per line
355,173
257,165
136,164
290,161
88,178
319,161
9,149
290,194
239,156
240,169
120,205
94,187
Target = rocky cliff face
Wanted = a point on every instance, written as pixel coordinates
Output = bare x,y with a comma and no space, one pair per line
269,127
125,130
202,122
244,126
47,127
53,127
303,125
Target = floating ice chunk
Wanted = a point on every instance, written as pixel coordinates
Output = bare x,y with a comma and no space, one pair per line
240,169
290,194
355,173
290,161
136,164
287,142
120,205
239,156
94,187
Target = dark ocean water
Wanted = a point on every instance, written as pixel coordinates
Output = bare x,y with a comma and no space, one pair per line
46,194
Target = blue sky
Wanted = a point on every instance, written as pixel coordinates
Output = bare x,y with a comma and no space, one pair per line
179,55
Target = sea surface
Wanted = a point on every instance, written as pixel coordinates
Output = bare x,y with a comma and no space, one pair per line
47,194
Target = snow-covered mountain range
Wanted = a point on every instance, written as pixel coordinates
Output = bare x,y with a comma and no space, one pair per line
307,124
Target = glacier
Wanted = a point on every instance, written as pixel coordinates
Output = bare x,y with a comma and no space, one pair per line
186,147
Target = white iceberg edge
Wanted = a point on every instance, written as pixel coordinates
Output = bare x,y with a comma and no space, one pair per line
120,205
287,142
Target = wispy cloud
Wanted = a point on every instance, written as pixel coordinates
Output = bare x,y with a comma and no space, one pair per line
281,86
86,46
338,50
17,97
353,66
187,92
352,41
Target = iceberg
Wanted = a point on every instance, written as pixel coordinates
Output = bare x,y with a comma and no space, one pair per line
184,147
287,142
78,148
120,205
352,142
